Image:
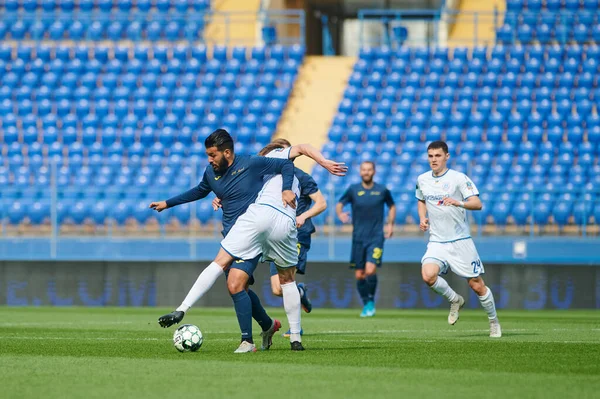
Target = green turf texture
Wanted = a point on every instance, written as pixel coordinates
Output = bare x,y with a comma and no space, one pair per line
123,353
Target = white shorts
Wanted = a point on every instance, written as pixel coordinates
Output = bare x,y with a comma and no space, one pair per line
263,230
459,256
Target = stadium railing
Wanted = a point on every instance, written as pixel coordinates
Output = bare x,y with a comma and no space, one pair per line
122,211
433,27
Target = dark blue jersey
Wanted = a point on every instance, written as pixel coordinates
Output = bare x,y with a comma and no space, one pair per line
238,186
308,186
367,210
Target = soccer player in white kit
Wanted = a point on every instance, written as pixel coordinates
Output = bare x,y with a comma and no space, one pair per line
269,228
443,197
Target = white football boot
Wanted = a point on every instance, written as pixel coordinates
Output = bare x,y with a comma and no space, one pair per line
245,347
454,309
495,329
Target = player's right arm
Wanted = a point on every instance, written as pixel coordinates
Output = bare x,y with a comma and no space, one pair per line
421,208
423,221
194,194
339,207
470,194
335,168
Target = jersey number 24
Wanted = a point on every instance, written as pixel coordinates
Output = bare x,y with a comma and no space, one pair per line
476,266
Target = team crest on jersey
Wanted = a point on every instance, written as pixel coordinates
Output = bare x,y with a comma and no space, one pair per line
360,193
446,186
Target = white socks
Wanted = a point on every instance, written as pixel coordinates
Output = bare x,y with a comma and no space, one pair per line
441,287
487,302
291,304
205,281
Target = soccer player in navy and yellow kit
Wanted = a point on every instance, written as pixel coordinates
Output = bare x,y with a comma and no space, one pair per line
237,180
367,200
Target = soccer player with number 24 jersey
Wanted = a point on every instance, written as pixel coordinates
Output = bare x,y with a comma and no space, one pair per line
443,197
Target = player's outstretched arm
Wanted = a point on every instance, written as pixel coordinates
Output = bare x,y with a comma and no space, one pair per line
193,194
335,168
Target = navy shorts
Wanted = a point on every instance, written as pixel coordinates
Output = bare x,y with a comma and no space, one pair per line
302,256
248,266
366,251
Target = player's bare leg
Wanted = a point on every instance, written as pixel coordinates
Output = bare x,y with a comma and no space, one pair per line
276,290
291,304
276,286
430,273
486,298
371,278
204,283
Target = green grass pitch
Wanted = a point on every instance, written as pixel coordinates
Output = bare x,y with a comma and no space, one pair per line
123,353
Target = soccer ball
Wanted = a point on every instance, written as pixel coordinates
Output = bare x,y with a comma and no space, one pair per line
187,338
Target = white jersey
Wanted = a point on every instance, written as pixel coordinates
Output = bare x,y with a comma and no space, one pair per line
271,192
446,223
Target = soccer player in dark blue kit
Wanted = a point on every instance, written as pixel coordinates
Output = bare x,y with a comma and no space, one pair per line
309,193
237,181
367,200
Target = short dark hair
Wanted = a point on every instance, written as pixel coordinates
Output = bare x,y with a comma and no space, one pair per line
436,145
221,139
371,162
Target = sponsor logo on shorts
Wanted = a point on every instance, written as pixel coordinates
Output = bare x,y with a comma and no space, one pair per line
377,252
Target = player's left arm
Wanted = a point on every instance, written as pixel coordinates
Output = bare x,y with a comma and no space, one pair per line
308,186
335,168
274,166
194,194
319,205
389,226
470,196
